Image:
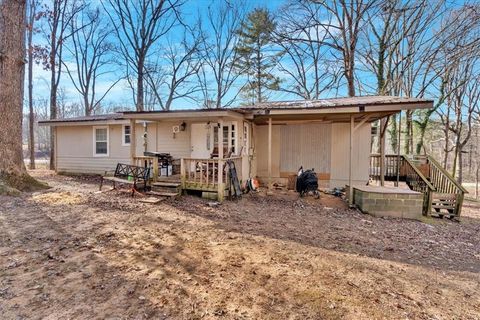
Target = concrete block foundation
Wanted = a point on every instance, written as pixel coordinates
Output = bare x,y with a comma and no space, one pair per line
389,202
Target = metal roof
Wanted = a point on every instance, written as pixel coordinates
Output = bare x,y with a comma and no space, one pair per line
334,103
359,104
100,117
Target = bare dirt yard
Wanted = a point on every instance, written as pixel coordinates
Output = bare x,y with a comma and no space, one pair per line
73,253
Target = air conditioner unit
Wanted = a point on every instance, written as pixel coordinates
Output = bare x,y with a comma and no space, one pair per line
176,129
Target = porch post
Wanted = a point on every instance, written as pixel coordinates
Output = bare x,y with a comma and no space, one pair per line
220,139
383,126
220,172
399,129
350,186
269,153
133,141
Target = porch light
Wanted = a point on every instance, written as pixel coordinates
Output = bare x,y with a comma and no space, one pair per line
183,126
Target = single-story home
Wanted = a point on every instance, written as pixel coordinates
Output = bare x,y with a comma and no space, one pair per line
269,141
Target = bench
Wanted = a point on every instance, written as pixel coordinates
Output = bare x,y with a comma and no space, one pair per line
128,174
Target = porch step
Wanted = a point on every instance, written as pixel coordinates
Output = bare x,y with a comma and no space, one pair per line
163,194
166,184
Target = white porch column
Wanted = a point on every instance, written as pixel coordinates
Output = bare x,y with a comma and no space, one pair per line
270,153
220,139
399,128
350,186
133,141
220,182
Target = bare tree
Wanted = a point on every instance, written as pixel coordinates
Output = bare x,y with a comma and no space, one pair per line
172,75
91,53
218,52
397,50
306,61
13,174
32,17
456,38
140,24
462,106
342,22
58,17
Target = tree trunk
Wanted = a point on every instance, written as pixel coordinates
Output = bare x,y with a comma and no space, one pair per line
53,93
349,74
13,174
459,175
53,115
259,76
31,116
477,176
408,132
140,76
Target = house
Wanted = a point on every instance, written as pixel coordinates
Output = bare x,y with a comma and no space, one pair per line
269,141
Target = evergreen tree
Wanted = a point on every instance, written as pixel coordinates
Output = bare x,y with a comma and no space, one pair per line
255,55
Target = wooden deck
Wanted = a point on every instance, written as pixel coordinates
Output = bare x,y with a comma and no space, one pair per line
208,175
443,195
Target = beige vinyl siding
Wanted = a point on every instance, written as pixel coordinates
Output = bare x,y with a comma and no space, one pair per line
324,147
306,145
341,154
75,152
261,151
140,140
178,146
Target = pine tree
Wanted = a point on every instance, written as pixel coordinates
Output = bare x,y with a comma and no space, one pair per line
255,55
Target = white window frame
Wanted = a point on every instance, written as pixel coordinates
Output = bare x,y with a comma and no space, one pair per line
95,154
246,138
229,144
123,135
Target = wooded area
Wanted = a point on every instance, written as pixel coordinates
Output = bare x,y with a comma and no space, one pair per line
232,53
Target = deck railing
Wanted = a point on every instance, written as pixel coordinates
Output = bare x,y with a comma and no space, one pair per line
390,166
443,194
449,193
209,175
145,161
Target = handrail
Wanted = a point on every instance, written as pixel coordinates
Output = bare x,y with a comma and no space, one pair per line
446,173
419,173
438,185
213,159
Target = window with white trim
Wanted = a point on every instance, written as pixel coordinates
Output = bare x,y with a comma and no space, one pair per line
246,140
127,134
100,139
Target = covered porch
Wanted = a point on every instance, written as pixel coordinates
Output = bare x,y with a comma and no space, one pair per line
334,140
198,145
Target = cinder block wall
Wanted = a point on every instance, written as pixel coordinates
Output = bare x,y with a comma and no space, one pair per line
396,205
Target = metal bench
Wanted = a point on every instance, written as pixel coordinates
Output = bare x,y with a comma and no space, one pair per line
128,174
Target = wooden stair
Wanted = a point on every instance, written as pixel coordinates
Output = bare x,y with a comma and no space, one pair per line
443,194
165,189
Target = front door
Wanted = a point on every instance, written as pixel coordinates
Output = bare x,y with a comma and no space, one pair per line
199,141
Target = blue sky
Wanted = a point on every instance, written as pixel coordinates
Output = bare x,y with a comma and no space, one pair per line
121,94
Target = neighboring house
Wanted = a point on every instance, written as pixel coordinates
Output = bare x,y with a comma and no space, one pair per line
269,141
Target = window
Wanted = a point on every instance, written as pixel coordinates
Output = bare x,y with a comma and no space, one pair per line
126,136
100,141
246,142
233,140
229,138
225,140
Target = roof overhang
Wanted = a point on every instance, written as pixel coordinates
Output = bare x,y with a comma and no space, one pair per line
185,115
75,122
367,108
360,112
